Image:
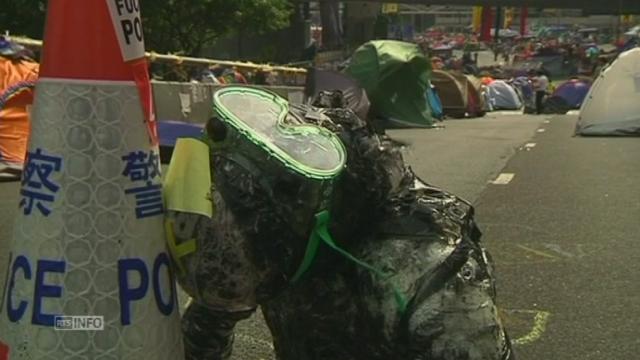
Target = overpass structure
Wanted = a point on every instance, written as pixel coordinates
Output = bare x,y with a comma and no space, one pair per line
589,6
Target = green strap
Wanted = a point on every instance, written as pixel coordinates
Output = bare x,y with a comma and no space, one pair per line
320,233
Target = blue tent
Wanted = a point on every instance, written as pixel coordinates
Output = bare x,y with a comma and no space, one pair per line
434,103
573,92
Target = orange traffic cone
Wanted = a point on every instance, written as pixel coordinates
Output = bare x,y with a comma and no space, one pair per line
89,276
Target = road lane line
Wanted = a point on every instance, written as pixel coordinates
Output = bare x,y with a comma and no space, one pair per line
508,112
529,146
539,327
537,252
503,179
541,130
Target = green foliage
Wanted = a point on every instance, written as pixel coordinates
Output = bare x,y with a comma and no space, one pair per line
23,17
169,25
187,25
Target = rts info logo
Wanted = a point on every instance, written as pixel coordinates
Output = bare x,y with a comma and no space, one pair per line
79,323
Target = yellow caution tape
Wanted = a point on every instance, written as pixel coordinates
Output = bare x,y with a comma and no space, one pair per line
178,251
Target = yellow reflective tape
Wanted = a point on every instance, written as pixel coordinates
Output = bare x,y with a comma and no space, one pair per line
539,326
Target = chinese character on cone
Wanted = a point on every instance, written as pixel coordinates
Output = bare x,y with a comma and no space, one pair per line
88,241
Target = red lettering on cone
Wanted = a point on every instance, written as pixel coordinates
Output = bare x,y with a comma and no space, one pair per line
4,351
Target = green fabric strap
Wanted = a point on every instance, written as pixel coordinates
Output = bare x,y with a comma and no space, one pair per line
320,233
311,251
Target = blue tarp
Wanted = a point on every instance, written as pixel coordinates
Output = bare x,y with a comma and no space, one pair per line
434,103
169,131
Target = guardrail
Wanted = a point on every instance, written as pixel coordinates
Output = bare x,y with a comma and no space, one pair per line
192,102
177,59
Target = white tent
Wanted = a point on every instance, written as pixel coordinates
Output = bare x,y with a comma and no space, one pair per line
634,31
503,97
612,106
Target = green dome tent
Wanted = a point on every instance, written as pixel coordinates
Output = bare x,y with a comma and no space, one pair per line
395,75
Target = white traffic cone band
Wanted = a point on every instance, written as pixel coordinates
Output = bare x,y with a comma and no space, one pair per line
89,274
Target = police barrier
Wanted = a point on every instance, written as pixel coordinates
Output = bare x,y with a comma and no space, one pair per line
191,102
88,242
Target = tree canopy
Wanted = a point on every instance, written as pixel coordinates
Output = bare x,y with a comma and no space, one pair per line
23,17
186,25
170,25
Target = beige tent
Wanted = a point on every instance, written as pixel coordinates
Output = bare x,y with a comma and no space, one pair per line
480,89
458,94
612,106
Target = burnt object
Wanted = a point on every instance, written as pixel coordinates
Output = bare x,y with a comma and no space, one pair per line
422,241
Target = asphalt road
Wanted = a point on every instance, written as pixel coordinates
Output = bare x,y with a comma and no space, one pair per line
564,235
465,154
561,231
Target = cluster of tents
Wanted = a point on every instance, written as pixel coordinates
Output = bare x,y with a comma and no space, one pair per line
396,74
463,95
393,81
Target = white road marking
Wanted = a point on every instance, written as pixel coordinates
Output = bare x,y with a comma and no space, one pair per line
540,321
541,130
547,121
529,146
503,179
508,112
573,112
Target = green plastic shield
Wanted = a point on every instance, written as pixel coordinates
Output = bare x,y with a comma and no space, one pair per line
260,117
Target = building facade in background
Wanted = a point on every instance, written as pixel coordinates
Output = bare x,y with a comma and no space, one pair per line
459,18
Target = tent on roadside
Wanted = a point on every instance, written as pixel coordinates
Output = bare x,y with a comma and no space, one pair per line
17,80
612,106
459,96
633,32
524,88
479,89
503,96
573,92
395,75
